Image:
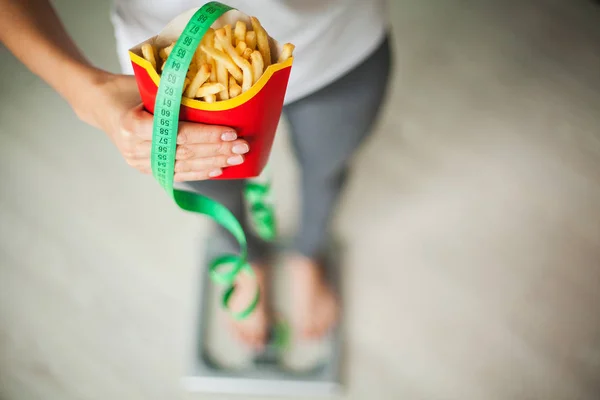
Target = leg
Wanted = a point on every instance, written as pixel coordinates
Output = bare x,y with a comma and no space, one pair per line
230,194
327,128
252,330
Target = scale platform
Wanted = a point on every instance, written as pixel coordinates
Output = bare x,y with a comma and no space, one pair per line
220,364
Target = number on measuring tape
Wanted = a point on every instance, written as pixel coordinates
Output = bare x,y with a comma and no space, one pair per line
168,98
166,122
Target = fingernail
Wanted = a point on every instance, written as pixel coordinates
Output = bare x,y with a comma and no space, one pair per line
235,160
229,136
241,148
215,172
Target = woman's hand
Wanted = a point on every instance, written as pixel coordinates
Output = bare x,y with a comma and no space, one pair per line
32,31
202,150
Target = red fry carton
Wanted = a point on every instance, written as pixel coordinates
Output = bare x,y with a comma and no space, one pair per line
254,114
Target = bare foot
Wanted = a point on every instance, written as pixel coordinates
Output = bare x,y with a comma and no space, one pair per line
314,304
253,329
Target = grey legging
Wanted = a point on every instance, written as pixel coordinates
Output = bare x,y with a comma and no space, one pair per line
326,129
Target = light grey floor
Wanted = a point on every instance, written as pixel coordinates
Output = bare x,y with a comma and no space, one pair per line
473,220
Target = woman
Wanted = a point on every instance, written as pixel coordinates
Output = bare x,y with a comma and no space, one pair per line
341,69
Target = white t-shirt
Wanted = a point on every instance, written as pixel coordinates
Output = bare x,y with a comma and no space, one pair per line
331,36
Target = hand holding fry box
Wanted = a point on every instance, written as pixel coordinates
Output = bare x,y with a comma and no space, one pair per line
238,78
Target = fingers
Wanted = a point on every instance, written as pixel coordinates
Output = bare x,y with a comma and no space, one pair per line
208,163
141,164
191,133
139,123
196,176
143,150
191,170
202,150
188,152
193,159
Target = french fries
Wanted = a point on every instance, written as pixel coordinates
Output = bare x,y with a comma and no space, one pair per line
288,50
228,61
209,38
251,40
246,54
258,65
240,32
239,60
213,70
164,53
148,53
234,88
201,76
208,89
262,40
241,46
218,55
229,34
223,79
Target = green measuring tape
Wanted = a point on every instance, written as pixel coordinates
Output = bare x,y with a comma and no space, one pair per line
224,269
